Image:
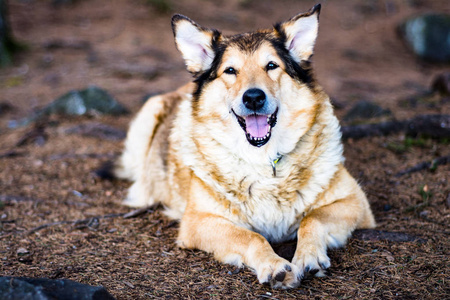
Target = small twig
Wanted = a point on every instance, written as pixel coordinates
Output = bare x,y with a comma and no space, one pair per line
137,212
11,153
47,225
426,166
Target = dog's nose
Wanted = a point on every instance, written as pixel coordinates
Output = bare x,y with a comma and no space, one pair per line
254,99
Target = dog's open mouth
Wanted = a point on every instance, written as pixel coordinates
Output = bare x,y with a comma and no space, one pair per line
257,128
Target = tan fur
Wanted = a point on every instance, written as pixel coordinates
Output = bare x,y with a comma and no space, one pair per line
187,151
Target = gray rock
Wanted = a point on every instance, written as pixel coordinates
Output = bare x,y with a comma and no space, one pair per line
365,110
428,36
92,100
19,288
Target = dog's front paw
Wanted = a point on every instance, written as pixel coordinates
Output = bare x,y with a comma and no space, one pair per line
312,260
279,273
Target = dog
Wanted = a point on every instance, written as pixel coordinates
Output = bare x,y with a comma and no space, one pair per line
249,153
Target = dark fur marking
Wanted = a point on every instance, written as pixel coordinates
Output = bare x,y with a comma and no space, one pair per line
250,190
210,74
242,181
248,42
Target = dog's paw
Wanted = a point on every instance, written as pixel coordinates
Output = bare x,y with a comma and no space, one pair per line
279,273
312,260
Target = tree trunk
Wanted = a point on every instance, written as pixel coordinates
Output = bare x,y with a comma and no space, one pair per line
7,45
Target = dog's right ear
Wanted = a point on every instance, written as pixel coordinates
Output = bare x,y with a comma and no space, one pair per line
194,42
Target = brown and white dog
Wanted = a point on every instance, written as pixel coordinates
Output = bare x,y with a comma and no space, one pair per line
248,153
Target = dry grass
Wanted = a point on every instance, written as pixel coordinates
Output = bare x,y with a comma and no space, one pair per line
47,184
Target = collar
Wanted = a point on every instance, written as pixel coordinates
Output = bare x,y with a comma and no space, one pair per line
274,164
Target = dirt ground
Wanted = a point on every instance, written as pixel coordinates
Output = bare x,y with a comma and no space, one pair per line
58,220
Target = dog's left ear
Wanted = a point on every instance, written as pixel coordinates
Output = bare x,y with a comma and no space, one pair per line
194,42
301,33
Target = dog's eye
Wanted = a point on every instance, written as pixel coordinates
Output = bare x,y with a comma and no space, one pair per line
230,70
271,66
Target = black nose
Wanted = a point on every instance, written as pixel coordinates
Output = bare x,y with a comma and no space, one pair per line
254,99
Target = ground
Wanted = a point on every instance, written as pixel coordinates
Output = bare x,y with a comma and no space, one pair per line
59,220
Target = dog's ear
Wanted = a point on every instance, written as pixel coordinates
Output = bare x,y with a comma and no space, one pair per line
301,32
194,42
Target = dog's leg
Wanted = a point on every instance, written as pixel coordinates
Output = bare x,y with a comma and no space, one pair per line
236,245
329,226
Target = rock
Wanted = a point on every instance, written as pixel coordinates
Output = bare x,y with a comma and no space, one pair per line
92,100
428,36
22,251
18,288
441,84
365,110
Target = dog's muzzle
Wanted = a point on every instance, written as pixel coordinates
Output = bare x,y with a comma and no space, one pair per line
256,125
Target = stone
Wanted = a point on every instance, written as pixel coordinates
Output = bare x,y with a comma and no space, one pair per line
18,288
428,36
92,100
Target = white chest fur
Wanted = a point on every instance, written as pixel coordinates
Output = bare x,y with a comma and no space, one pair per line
251,196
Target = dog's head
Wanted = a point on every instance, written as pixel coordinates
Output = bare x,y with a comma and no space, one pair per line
259,81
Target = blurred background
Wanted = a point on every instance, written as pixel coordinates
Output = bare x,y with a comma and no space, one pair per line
127,48
74,72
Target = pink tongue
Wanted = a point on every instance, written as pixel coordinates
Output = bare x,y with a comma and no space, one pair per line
257,125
